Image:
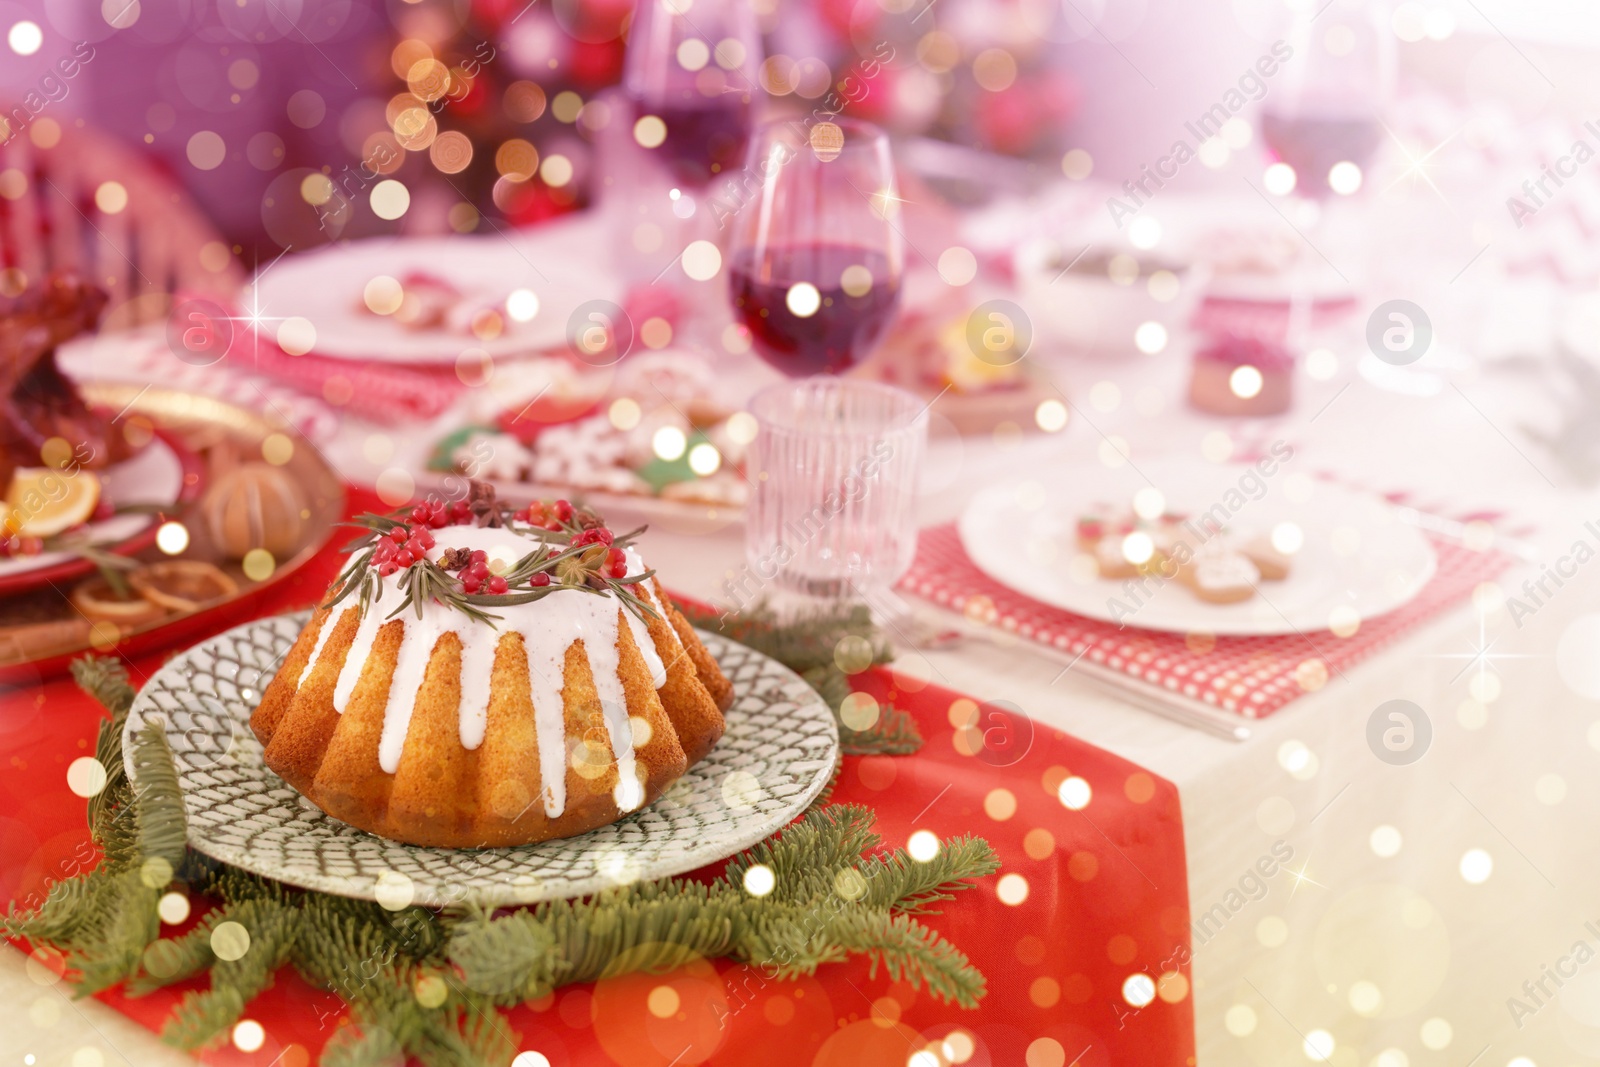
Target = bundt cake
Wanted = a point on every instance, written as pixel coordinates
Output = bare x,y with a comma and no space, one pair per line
482,677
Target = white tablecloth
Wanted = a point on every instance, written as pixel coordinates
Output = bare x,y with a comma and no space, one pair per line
1373,951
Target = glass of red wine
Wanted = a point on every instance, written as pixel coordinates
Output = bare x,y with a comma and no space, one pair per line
1325,119
817,257
1322,125
690,77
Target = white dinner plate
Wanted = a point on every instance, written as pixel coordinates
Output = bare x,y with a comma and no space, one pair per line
325,287
1356,554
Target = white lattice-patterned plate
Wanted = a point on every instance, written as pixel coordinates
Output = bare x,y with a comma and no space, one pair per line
777,754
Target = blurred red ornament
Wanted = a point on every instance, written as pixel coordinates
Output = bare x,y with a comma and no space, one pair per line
472,101
535,202
1059,95
871,98
845,17
592,65
1007,121
493,13
1030,112
652,301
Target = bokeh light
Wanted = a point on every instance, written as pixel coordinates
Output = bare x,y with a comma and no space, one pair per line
25,37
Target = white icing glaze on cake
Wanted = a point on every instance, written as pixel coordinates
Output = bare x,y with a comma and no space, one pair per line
548,627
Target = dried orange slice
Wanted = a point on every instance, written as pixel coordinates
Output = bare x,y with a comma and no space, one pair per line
182,584
100,603
43,502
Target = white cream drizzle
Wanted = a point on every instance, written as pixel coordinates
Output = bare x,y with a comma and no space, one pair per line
547,626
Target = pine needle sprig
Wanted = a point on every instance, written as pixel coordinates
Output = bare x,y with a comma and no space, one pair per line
163,825
175,959
910,951
119,939
838,894
201,1015
900,883
808,643
72,906
106,679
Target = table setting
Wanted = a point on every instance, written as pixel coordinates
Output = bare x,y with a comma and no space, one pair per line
713,532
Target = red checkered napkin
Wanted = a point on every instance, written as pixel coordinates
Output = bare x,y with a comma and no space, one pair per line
1250,676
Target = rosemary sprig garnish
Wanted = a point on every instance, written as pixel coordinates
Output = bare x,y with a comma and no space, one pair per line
109,564
424,581
357,574
638,605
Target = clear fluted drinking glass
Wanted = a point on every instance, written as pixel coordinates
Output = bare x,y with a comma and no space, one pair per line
834,473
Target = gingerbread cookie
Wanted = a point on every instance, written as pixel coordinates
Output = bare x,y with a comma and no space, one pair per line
1221,577
1273,565
1112,563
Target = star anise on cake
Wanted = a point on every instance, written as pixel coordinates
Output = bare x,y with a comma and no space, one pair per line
486,510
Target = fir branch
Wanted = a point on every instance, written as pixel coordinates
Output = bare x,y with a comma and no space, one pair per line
174,959
201,1017
909,950
898,882
836,895
106,679
72,906
802,640
117,947
163,826
643,926
807,643
806,856
509,960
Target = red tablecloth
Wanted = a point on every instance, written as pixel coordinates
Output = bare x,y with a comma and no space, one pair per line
1086,899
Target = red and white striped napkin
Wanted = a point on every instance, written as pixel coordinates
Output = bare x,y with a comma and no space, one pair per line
1249,676
389,393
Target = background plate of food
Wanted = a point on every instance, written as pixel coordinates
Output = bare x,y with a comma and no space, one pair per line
270,502
1194,547
426,300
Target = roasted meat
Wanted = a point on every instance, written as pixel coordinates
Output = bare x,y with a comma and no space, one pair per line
36,401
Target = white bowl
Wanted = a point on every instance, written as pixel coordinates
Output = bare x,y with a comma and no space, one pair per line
1082,311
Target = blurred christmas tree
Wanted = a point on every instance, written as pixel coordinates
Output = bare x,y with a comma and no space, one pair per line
498,106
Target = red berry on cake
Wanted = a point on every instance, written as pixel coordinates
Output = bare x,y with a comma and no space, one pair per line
497,585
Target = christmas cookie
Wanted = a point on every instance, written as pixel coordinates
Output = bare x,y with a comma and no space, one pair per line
1221,577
